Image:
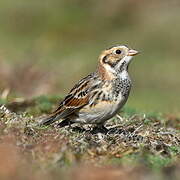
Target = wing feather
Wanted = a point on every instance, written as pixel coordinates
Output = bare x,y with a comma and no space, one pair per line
76,99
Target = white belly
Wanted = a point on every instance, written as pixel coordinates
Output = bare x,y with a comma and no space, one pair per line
99,113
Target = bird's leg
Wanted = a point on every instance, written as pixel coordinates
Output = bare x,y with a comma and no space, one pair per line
103,128
69,123
100,128
64,123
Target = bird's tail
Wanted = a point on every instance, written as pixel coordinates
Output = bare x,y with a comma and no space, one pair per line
48,120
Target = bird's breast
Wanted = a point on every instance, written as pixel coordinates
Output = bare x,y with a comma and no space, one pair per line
121,87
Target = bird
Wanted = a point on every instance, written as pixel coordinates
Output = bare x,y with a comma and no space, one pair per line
100,95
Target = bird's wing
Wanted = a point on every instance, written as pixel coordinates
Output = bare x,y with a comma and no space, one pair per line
76,99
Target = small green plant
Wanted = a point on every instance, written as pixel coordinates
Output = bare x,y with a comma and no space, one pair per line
157,162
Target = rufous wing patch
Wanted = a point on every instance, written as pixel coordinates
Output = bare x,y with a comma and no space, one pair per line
76,102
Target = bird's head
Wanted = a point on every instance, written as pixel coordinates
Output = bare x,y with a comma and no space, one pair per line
116,59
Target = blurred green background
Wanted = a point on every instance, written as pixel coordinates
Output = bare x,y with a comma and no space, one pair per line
47,45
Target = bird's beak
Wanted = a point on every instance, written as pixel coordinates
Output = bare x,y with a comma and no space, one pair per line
132,52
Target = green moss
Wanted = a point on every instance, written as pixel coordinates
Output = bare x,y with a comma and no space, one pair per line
43,104
175,150
3,101
129,111
147,121
157,162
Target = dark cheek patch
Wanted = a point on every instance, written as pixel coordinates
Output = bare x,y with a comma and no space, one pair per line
104,59
112,64
111,60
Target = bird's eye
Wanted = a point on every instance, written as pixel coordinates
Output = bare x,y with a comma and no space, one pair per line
118,51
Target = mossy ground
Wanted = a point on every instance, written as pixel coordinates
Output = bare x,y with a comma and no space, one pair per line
136,146
46,47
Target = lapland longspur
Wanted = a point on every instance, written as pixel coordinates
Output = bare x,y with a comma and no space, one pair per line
100,95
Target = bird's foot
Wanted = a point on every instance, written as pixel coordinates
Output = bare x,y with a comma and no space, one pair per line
99,129
64,123
78,129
